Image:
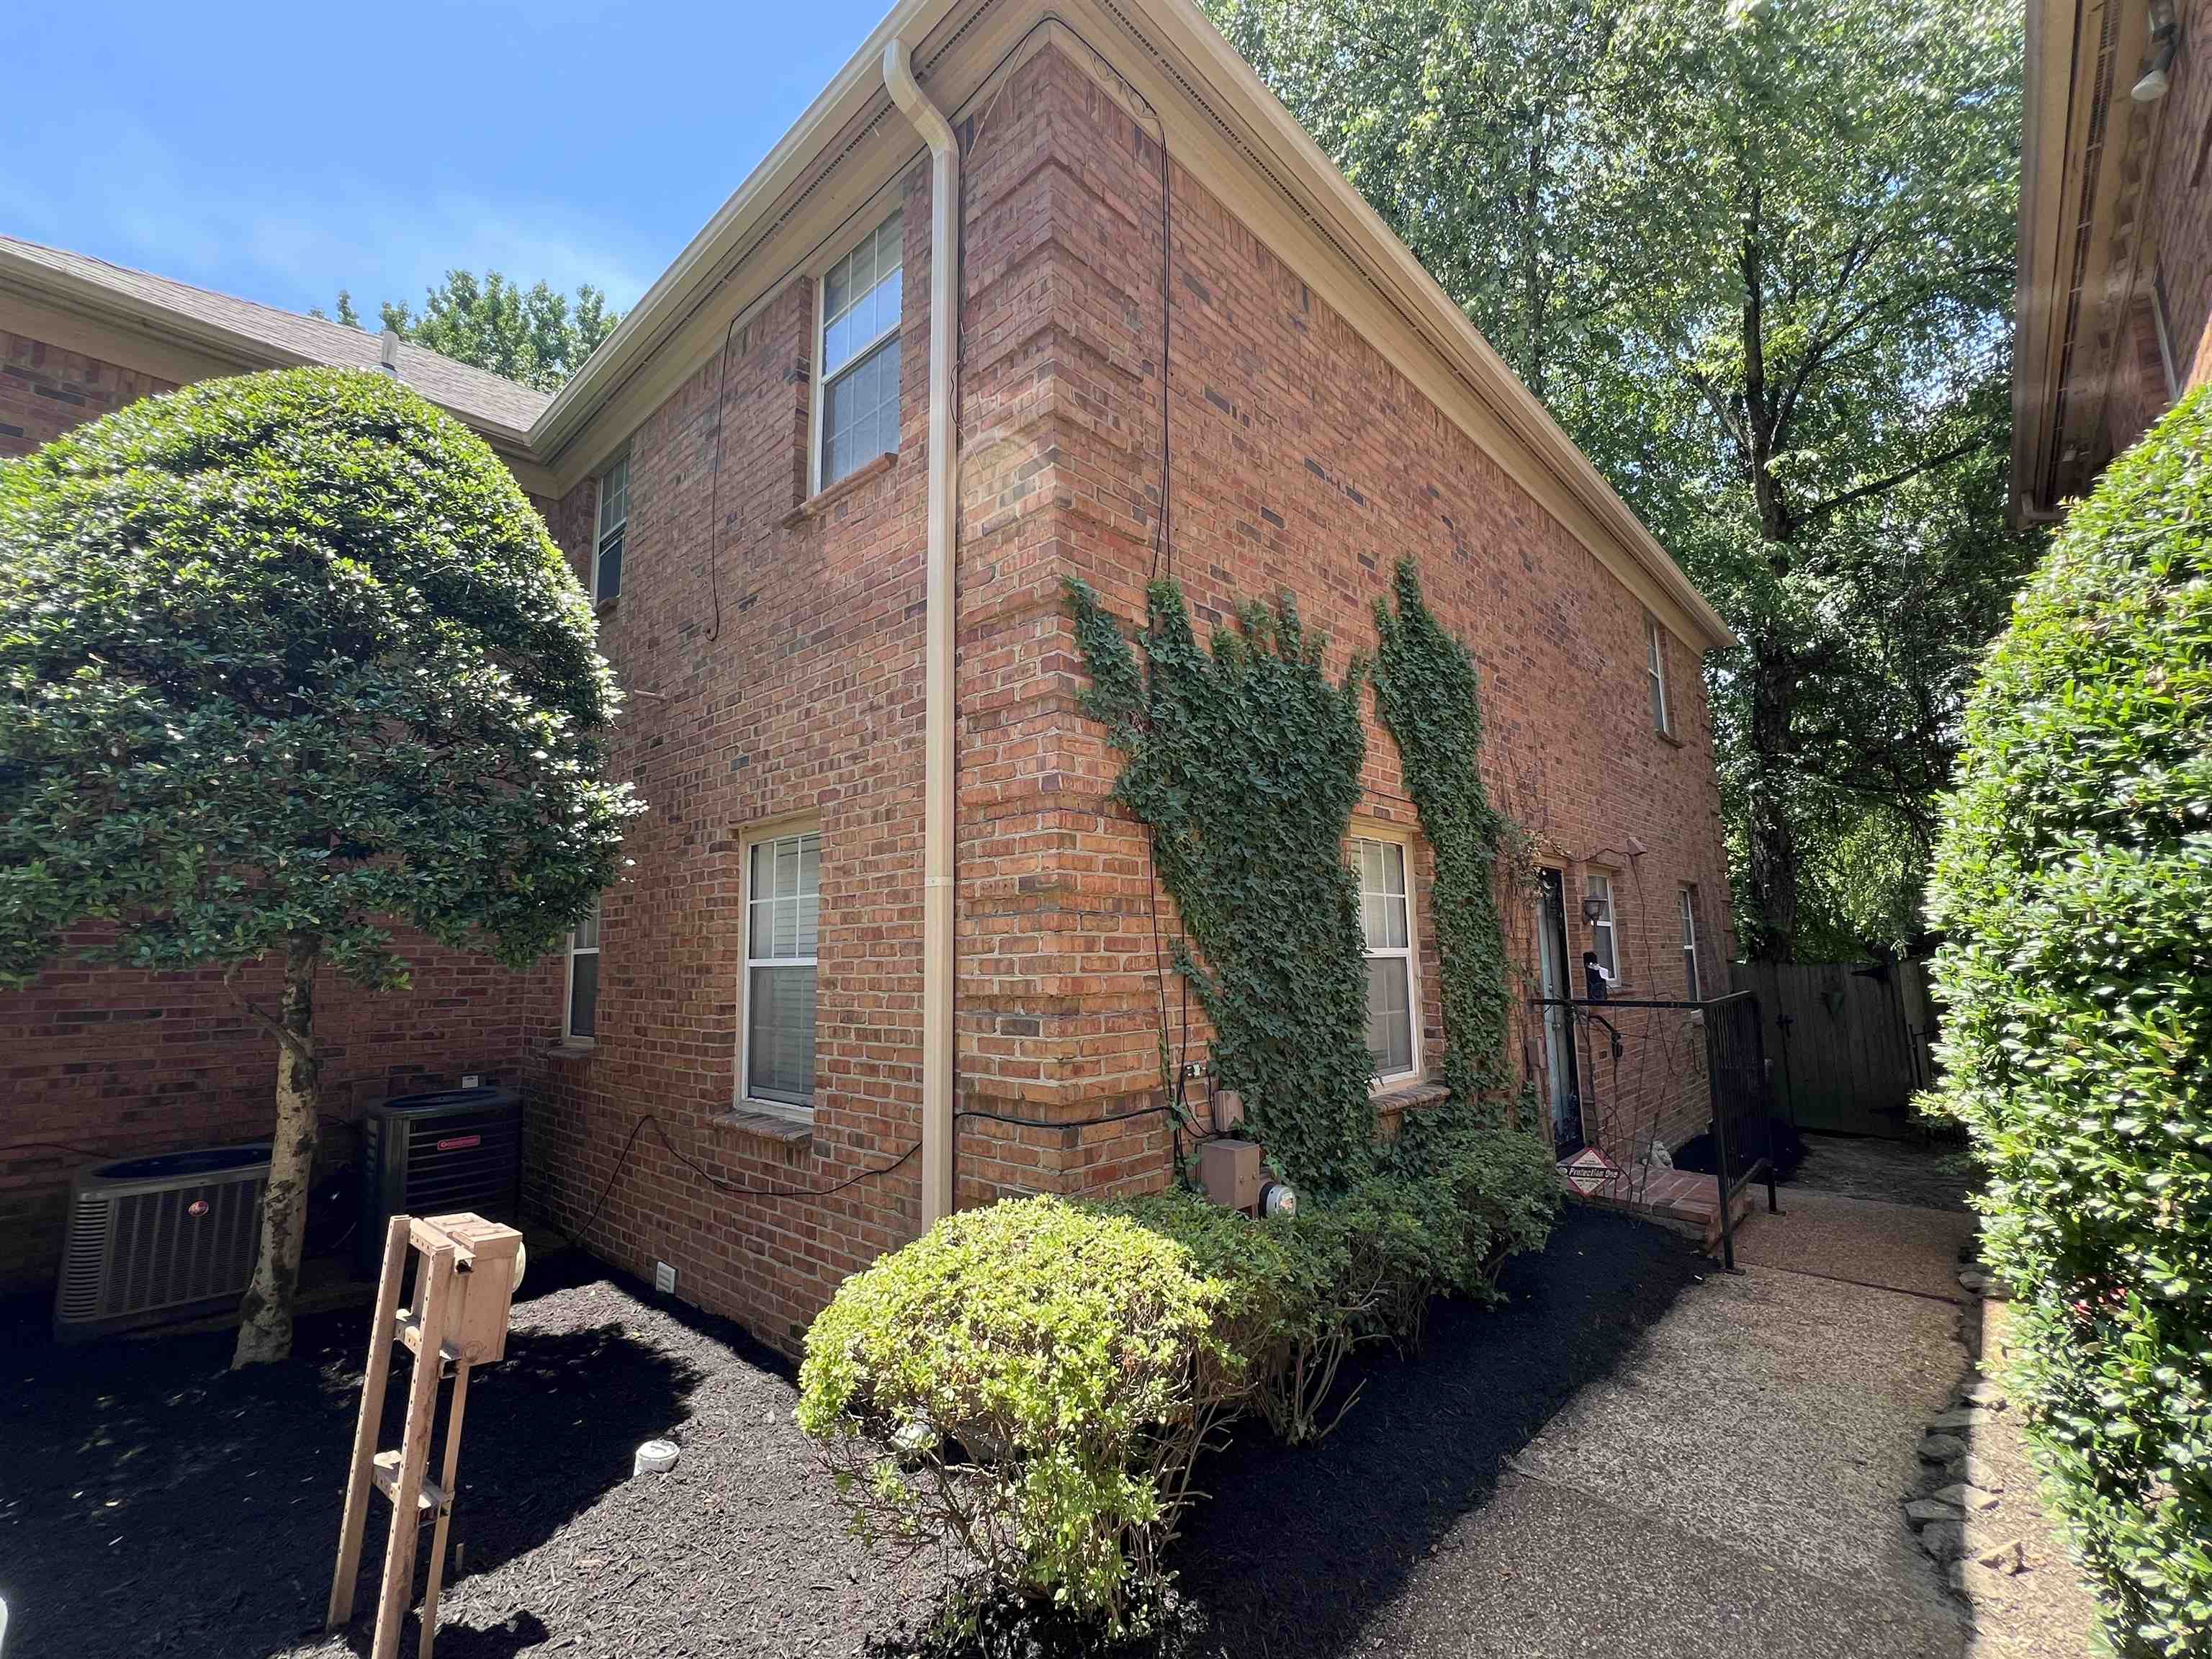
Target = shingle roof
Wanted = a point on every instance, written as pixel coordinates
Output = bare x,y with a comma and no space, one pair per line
476,395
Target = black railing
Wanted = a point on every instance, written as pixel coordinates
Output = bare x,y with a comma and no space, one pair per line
1737,1081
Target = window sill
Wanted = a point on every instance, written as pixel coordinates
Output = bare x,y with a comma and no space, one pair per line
823,500
794,1132
573,1048
1668,738
608,606
1411,1094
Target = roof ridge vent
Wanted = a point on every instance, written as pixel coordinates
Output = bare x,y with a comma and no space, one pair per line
389,360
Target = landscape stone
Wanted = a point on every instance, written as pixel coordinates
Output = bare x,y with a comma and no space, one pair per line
1922,1510
1966,1417
1941,1449
1944,1541
1965,1497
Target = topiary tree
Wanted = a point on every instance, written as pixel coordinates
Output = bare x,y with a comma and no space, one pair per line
2074,877
284,659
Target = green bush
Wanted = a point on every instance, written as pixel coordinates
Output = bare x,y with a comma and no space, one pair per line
1027,1384
2074,877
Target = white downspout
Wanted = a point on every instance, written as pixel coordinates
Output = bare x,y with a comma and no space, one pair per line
937,946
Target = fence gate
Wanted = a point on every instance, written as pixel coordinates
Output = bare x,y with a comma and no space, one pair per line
1849,1042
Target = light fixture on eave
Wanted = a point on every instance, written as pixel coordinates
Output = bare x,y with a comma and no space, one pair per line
2165,37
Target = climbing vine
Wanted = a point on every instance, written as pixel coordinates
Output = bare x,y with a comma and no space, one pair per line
1429,694
1244,761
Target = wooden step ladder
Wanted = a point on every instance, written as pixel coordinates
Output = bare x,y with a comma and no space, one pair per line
464,1281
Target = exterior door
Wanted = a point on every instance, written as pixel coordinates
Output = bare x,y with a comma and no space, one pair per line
1558,1023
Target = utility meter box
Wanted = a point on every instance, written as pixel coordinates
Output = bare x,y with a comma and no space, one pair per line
1229,1172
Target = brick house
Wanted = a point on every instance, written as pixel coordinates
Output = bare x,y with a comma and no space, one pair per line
1018,288
2115,298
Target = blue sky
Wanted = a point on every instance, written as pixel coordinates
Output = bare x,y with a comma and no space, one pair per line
282,152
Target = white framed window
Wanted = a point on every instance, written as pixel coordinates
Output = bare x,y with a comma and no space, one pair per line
614,521
1690,983
1386,926
1655,647
582,1019
1597,888
776,1026
856,379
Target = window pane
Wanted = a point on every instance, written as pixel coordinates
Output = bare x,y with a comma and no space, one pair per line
859,413
586,935
1389,1016
863,295
608,582
780,1035
1381,868
783,912
614,495
584,994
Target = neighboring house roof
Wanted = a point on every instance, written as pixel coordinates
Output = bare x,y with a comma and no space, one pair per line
2083,262
263,336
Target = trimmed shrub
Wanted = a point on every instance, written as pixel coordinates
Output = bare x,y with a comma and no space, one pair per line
1027,1384
2074,877
1287,1307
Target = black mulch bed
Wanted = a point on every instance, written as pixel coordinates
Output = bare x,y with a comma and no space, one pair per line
153,1503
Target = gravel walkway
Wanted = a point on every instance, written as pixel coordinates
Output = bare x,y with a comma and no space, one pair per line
1931,1175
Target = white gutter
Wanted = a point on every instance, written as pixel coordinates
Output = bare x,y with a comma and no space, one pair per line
937,947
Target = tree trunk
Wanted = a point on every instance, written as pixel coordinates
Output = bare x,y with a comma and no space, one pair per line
266,1332
1770,839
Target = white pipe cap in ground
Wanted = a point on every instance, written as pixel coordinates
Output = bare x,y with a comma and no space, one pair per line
656,1457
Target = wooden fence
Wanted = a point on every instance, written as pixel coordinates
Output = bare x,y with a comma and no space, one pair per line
1848,1041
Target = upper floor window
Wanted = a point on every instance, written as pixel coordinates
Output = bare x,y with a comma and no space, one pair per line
584,976
614,519
1386,924
857,387
1654,644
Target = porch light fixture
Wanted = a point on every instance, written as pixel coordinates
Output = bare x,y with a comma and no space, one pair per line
2166,35
1593,908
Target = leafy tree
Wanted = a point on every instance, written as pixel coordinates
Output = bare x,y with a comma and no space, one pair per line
346,313
2073,876
533,335
286,659
1758,259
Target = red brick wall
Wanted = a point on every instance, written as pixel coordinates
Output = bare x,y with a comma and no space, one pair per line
783,676
99,1063
2178,214
46,390
107,1063
1304,461
2180,203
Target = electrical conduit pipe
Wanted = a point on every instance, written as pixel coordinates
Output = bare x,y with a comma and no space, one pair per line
937,946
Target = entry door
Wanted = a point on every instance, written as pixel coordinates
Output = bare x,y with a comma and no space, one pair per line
1558,1023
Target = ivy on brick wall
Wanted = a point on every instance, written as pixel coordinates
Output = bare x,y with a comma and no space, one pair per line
1429,694
1244,761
